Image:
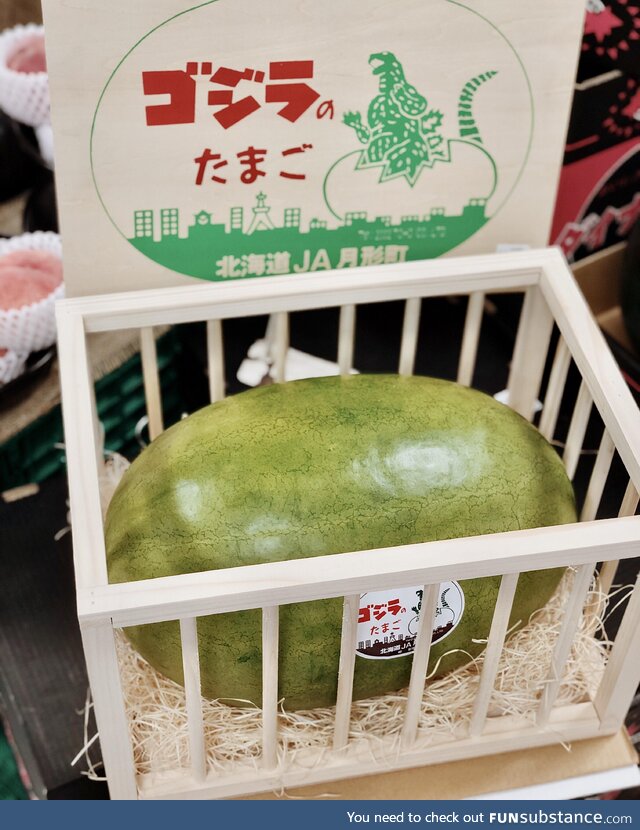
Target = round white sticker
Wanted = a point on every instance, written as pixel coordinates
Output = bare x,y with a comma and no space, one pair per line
388,620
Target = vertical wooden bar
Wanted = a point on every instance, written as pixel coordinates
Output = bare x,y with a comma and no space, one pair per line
530,352
629,501
281,345
270,637
627,508
470,338
410,329
607,575
270,332
83,465
151,381
111,717
215,360
98,430
622,674
346,669
420,664
191,669
577,430
346,338
497,634
573,610
553,396
598,478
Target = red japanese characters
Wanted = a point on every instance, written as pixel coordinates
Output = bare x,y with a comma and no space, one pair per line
230,106
250,161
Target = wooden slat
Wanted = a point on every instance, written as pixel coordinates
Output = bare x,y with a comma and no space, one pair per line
346,669
98,429
622,674
151,381
497,634
89,553
555,389
215,360
280,346
596,364
191,669
530,353
89,557
577,430
470,338
346,338
250,586
505,734
629,501
571,619
424,278
607,575
420,663
270,637
410,330
598,478
627,508
110,713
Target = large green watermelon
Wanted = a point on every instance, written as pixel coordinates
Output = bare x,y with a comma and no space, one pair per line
326,466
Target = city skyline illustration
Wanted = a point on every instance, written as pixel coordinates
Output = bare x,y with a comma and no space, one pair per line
256,238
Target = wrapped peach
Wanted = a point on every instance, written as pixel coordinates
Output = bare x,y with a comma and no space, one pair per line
30,283
24,83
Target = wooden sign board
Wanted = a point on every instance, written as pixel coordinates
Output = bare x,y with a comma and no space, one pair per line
239,139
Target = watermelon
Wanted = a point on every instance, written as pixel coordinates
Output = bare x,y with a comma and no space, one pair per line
325,466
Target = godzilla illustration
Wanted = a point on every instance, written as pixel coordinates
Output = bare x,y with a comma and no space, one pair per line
444,605
401,134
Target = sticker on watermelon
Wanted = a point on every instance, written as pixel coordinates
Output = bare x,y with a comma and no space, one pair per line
388,620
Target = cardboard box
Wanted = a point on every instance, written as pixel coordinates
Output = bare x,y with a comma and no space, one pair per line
599,276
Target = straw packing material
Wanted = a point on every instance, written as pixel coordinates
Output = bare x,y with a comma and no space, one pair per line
33,326
24,94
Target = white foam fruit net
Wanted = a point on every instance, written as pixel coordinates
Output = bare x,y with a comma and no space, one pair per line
23,96
156,706
31,327
11,365
44,134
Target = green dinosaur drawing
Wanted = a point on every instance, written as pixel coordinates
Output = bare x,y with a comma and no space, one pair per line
402,135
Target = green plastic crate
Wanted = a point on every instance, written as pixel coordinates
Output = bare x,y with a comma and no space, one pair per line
32,455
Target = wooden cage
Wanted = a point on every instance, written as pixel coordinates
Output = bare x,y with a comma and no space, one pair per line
551,298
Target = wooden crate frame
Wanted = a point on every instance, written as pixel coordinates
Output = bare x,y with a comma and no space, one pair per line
551,297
